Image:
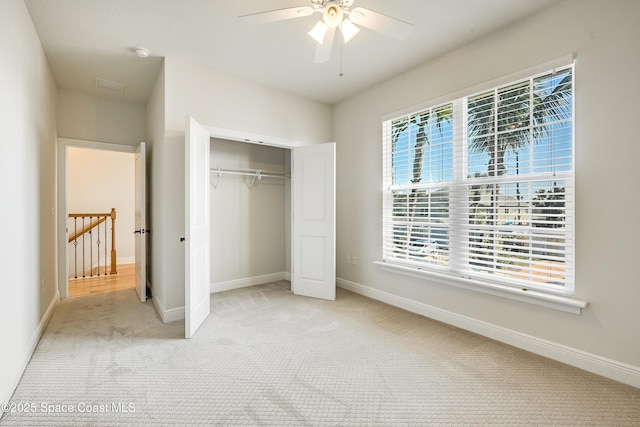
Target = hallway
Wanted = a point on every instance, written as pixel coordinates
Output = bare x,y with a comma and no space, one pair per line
125,279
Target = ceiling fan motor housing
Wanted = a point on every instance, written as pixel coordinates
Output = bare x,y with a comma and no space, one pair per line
319,4
332,14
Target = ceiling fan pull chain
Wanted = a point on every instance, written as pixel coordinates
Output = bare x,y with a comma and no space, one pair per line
341,55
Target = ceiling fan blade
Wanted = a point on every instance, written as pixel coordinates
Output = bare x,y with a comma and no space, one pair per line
381,23
323,51
276,15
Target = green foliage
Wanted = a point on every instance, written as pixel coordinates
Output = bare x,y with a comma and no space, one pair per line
505,119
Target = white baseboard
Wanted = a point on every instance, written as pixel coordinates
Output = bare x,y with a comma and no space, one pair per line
9,387
603,366
174,314
126,260
248,281
170,315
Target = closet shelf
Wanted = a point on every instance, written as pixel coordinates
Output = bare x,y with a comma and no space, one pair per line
257,174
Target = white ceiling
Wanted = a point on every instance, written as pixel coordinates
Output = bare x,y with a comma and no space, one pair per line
85,39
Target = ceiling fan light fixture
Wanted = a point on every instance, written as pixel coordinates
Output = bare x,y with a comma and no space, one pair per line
348,30
335,14
332,15
319,31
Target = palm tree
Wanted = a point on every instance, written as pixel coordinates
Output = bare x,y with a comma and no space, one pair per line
508,119
499,122
424,120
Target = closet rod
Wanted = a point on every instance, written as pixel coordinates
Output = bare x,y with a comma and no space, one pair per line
257,174
248,172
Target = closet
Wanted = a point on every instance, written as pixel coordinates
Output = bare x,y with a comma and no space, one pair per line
250,193
254,214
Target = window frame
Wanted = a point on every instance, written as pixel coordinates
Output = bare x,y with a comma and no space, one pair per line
457,273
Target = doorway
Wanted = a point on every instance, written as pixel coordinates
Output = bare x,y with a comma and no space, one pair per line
95,177
99,181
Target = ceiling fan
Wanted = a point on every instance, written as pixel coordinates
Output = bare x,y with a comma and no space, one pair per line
335,14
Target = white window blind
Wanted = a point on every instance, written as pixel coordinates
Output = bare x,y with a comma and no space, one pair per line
482,187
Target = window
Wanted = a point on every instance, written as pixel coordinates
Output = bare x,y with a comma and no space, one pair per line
481,187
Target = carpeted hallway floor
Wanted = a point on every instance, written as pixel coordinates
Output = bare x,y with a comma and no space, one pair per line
267,357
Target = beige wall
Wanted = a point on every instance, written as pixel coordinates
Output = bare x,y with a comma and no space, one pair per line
155,180
604,37
27,183
221,100
94,118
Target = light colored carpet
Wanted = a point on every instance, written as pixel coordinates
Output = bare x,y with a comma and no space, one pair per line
267,357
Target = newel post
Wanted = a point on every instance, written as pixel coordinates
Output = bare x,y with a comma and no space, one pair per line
113,241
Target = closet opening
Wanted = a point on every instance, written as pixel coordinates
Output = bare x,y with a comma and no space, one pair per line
253,230
250,213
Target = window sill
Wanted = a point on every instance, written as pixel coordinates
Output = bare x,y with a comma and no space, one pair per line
556,302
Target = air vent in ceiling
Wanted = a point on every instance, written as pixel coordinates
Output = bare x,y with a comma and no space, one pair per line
110,85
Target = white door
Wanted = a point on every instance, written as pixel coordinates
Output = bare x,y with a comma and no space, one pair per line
197,302
141,223
313,233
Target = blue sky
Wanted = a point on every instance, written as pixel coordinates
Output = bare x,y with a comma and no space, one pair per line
549,153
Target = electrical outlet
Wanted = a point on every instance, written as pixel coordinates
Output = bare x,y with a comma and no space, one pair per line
354,260
348,259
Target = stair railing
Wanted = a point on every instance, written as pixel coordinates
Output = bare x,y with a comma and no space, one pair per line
83,228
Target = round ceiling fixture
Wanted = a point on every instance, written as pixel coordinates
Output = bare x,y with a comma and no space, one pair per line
141,52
